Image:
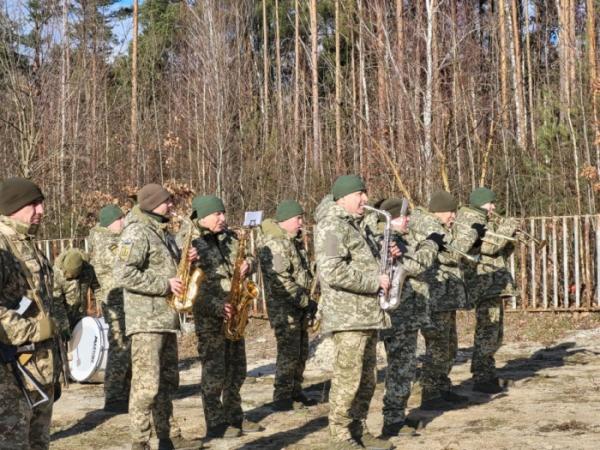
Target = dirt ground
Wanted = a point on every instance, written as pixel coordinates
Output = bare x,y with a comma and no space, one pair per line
553,402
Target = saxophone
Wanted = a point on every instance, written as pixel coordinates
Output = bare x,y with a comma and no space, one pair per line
191,277
242,293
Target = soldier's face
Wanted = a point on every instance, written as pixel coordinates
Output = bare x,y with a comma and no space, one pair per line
489,207
31,214
164,208
293,225
400,224
354,203
117,225
447,218
214,222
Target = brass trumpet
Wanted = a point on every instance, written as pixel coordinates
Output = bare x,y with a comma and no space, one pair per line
521,236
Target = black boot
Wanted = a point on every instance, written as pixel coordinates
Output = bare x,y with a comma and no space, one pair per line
306,401
452,397
435,404
488,387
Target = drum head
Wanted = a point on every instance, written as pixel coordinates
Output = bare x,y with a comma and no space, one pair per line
87,348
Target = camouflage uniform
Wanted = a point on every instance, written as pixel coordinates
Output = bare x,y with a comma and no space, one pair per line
347,257
418,257
146,261
103,244
71,294
20,427
447,293
488,283
285,266
223,361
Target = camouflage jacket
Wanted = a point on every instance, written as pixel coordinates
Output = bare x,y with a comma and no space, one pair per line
491,278
347,254
418,258
71,295
23,329
286,272
216,257
103,246
147,259
447,289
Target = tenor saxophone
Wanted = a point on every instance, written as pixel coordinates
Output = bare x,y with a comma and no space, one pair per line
243,292
191,278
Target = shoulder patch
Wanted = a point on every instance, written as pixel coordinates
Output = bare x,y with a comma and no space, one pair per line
331,245
125,250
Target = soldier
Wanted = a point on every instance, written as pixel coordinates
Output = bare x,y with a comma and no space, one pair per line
103,245
146,269
489,282
447,293
223,360
347,257
288,277
25,317
419,253
74,282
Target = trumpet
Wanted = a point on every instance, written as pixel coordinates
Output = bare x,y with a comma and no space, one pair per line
520,235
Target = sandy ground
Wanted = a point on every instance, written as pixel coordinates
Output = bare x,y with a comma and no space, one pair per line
553,401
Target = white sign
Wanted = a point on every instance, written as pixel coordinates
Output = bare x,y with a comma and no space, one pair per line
253,218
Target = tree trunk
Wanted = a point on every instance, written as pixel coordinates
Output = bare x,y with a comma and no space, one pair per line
265,73
314,34
515,59
338,91
134,103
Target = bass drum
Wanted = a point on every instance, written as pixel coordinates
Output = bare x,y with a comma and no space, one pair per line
88,350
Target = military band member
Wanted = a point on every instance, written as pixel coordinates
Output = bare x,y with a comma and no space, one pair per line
74,282
146,269
288,278
347,257
419,253
489,283
223,360
447,293
25,318
103,245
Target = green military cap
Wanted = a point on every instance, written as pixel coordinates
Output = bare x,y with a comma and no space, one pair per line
347,184
481,196
15,193
152,195
72,263
203,205
442,201
288,209
109,214
393,206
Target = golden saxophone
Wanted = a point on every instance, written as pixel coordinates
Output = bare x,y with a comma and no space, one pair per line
242,294
191,277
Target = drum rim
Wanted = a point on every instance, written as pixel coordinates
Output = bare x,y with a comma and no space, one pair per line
102,347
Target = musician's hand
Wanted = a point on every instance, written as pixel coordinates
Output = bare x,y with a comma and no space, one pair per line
384,283
437,238
244,269
311,308
176,286
228,311
480,228
192,254
395,251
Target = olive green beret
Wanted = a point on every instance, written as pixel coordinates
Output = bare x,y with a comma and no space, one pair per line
442,201
203,205
152,195
15,193
481,196
109,214
393,206
288,209
72,263
347,184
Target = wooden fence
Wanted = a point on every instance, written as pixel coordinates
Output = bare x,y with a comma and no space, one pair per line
563,275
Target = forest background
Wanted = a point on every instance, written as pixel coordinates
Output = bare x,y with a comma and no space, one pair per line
260,100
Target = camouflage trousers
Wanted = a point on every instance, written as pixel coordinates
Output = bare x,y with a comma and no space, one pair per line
117,377
292,352
223,374
441,343
154,381
20,427
489,330
353,382
401,350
